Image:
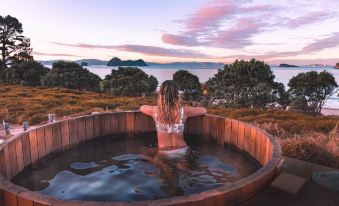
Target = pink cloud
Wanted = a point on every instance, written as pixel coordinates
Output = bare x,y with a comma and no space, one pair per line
211,24
179,40
258,8
141,49
86,46
320,44
306,19
54,54
160,51
238,35
329,42
203,27
209,16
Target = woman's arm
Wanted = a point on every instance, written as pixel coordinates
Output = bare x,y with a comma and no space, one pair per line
146,109
194,111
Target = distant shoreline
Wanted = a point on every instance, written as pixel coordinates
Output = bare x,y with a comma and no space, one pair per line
330,111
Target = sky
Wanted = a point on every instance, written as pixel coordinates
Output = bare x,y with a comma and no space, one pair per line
281,31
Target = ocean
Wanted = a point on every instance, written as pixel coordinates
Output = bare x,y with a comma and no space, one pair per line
282,74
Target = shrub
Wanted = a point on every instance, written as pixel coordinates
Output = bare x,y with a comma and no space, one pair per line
245,84
189,84
71,75
129,81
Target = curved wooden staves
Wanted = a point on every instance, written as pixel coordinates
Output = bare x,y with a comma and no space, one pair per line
25,149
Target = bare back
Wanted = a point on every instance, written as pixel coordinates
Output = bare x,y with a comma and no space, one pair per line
173,139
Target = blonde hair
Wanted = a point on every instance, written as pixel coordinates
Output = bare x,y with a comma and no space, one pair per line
168,102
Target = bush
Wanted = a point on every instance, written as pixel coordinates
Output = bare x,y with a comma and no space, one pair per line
129,81
309,91
25,73
245,84
189,84
71,75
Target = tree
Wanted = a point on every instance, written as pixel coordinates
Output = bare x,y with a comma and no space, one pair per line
153,83
72,76
189,84
28,73
309,91
13,45
245,84
129,81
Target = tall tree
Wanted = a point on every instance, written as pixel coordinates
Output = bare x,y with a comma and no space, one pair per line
189,84
13,45
72,76
309,91
129,81
245,84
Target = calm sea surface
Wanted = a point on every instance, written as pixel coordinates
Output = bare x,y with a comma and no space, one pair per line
282,74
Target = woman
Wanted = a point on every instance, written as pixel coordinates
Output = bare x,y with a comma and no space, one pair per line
170,117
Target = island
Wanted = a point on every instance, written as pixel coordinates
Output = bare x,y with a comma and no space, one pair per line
115,62
316,65
336,66
92,61
84,64
287,65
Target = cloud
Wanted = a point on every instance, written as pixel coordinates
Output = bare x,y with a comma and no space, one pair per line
54,54
86,46
142,49
267,56
181,40
209,16
206,25
331,41
211,24
325,43
309,18
160,51
259,8
237,36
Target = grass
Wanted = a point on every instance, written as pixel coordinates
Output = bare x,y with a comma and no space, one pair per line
32,104
282,123
301,136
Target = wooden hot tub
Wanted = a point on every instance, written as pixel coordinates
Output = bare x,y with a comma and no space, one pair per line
27,148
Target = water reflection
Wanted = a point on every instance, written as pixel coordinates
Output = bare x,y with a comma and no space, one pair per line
127,170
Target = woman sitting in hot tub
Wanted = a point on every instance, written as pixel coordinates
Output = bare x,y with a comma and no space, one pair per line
170,117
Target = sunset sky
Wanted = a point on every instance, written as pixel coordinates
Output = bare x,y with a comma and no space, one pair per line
289,31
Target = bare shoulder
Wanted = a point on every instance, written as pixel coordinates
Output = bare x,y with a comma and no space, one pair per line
194,111
147,109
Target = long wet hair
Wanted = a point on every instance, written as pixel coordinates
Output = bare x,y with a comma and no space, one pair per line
168,102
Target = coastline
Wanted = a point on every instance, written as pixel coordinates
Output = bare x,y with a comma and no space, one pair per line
330,111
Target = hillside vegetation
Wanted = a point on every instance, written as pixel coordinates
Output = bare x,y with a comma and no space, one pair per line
32,104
